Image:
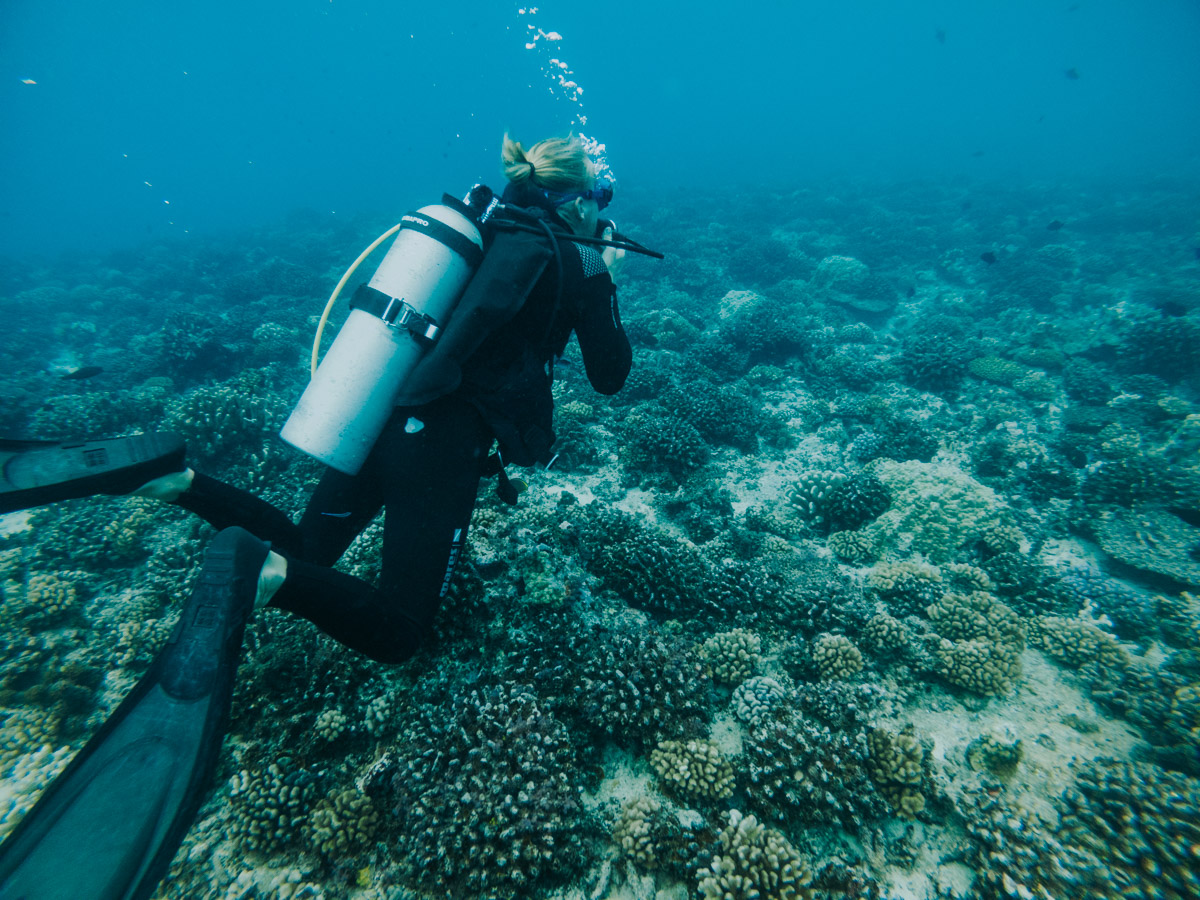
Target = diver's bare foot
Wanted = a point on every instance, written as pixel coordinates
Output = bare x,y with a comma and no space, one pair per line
166,487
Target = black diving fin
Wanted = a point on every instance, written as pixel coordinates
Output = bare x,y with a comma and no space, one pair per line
109,825
33,473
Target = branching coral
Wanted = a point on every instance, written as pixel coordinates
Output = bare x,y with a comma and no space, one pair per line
733,655
270,806
800,770
884,632
754,862
664,443
487,795
836,657
1075,643
1141,823
343,824
756,699
978,642
695,770
897,765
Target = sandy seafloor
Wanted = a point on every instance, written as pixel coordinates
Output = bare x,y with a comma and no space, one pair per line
941,514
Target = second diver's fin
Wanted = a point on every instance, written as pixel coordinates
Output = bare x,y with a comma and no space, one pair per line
109,825
33,473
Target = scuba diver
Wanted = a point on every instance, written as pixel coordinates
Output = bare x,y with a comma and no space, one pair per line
537,267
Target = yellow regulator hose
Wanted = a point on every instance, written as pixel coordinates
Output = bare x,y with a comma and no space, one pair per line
316,350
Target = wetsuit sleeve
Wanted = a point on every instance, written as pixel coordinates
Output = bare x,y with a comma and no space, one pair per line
607,356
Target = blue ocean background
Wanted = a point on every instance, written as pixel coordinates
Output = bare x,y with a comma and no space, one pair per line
151,119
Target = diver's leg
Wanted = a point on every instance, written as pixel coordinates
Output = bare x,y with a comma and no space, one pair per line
429,505
33,473
340,508
349,610
428,476
224,506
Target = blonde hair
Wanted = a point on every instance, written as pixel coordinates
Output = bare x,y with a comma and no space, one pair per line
556,164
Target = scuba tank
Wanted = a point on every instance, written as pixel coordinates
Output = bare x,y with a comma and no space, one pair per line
397,317
393,320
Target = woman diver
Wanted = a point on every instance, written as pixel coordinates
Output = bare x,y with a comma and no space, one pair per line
425,469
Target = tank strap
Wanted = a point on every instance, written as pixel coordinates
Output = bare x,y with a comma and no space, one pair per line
443,234
394,311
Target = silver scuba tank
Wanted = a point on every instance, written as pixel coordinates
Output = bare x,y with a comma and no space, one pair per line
393,320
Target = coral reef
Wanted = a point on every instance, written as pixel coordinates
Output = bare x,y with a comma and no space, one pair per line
658,442
1076,643
343,823
695,770
836,657
996,751
935,510
981,666
270,806
897,765
733,656
977,642
486,795
754,862
884,632
628,683
635,831
1154,540
756,699
1140,823
800,770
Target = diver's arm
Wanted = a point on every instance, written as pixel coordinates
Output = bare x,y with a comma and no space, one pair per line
607,356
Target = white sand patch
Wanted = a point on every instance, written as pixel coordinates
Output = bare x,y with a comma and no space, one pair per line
760,481
727,733
639,504
930,878
625,778
1034,713
15,522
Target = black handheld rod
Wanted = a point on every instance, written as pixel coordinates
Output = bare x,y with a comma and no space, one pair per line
620,240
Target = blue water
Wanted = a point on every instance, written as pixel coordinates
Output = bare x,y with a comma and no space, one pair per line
150,119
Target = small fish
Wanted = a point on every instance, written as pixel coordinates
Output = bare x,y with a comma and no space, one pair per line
940,35
1072,73
977,154
988,257
1054,226
81,373
28,81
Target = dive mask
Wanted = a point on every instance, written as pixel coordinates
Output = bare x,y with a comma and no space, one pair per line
602,193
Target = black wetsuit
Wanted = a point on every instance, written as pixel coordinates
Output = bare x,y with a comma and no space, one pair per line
424,470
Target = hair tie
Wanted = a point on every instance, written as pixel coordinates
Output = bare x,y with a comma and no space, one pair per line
532,170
